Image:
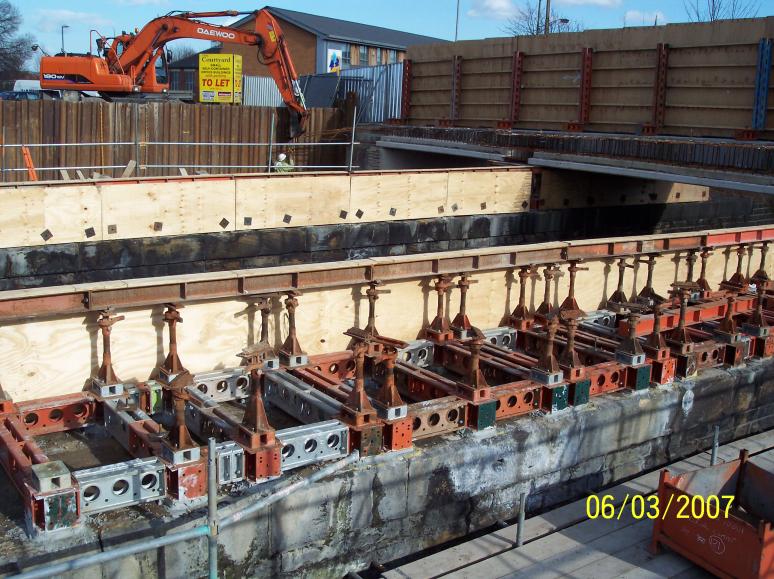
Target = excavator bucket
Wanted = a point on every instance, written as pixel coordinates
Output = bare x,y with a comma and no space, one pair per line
296,124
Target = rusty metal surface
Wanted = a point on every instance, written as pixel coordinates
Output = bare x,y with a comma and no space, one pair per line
20,304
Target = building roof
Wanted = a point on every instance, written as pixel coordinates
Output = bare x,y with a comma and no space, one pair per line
346,31
192,61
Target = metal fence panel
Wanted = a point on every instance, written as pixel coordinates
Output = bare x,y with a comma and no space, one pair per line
378,89
260,91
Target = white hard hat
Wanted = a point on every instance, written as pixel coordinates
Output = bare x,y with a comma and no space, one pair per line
281,157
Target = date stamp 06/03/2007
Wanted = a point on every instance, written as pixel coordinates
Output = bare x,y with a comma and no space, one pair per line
650,507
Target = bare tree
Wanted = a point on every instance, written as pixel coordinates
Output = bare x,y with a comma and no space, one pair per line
181,51
712,10
15,48
530,20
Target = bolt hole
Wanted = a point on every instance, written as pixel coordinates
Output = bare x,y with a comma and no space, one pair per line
528,397
242,383
202,388
452,415
333,441
417,423
222,386
506,340
91,493
288,450
148,480
434,419
310,445
423,354
704,356
601,380
31,419
407,356
512,401
120,487
614,378
334,368
493,341
55,415
350,365
79,410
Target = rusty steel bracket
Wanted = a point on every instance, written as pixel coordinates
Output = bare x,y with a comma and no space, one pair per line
291,353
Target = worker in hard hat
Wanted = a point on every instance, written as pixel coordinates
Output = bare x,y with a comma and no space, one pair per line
283,164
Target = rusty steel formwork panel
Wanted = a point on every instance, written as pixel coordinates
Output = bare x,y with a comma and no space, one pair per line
731,534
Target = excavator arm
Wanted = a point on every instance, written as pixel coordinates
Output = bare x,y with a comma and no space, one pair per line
129,61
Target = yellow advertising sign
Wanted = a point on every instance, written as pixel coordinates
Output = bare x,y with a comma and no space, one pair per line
220,78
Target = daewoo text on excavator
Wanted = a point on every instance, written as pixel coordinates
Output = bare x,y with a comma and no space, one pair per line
136,63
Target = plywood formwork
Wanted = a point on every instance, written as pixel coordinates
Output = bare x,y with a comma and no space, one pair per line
567,190
710,79
56,354
111,210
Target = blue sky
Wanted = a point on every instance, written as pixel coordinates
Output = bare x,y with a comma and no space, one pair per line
478,18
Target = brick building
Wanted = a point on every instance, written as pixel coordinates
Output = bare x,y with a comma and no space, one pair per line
310,38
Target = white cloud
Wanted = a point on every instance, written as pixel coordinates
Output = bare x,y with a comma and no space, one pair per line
639,18
602,3
51,20
495,9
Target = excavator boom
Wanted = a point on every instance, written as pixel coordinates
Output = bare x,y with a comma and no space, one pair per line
128,64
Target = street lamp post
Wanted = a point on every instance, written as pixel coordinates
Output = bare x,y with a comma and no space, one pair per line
547,27
63,29
457,25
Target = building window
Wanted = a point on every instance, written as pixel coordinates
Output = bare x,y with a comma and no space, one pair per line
189,80
378,59
346,56
363,55
392,57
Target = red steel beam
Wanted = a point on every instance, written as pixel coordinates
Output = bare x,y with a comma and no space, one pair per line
696,314
517,76
74,299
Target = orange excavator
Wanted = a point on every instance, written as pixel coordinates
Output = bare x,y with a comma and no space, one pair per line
134,64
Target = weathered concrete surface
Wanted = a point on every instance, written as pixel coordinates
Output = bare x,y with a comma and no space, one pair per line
390,506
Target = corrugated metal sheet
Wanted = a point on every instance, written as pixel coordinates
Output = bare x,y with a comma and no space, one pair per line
260,91
378,89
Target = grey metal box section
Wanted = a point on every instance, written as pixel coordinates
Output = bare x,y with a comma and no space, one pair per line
504,336
51,476
223,385
313,443
231,462
605,318
106,390
299,399
119,485
629,359
419,353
